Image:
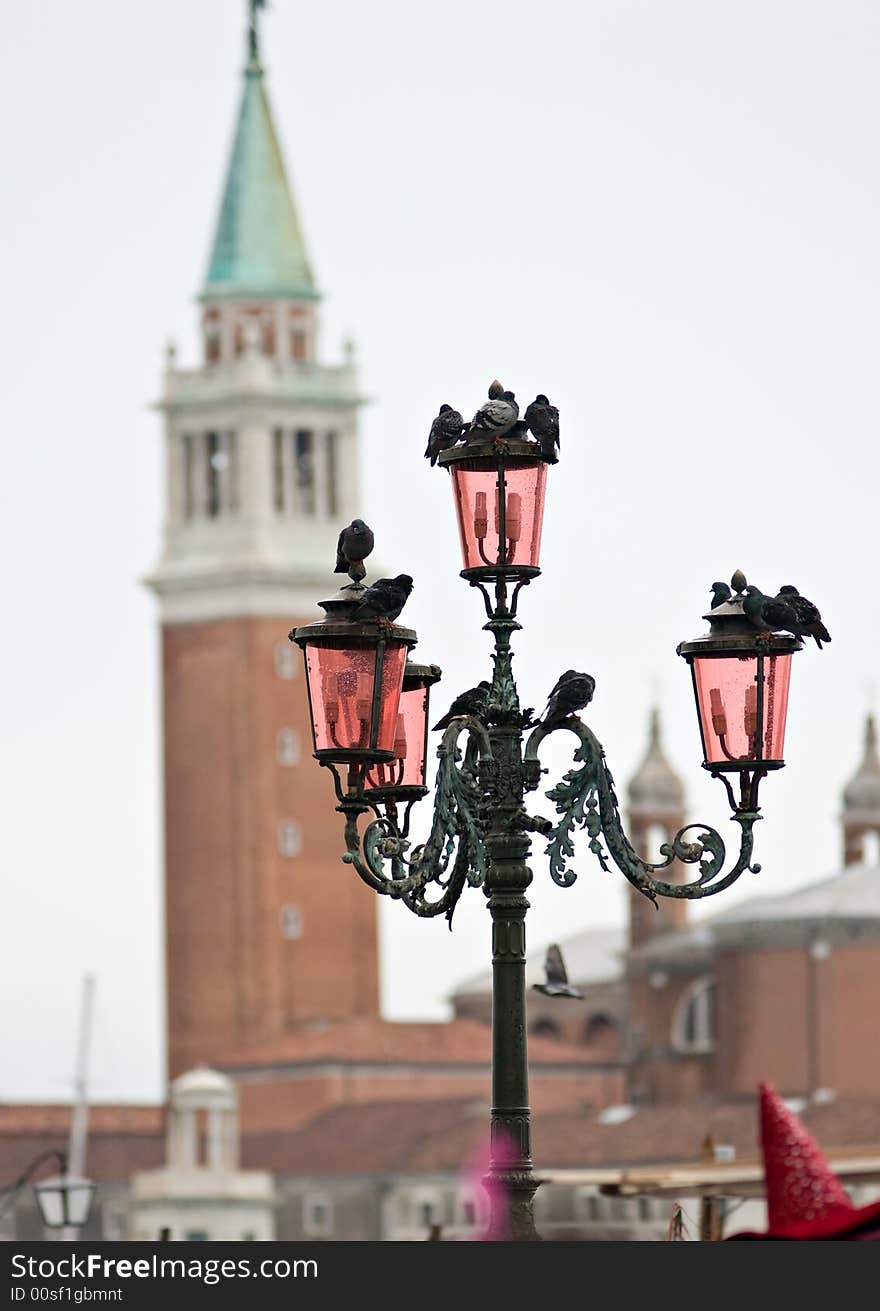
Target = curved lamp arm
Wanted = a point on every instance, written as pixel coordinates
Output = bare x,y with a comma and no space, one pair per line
9,1193
586,799
379,856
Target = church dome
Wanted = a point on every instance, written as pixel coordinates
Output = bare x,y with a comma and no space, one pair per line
655,787
862,792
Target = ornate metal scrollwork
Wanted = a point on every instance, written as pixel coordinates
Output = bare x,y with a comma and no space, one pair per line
585,799
380,856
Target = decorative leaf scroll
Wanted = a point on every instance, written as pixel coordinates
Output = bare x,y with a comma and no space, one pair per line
380,856
585,799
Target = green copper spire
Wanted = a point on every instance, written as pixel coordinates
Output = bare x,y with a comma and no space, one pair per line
258,246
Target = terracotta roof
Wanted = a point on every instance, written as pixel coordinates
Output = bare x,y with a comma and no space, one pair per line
110,1157
54,1117
456,1042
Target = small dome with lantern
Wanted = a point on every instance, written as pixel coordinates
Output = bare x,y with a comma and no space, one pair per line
655,788
862,793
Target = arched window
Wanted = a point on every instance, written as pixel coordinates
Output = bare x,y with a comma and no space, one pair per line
693,1021
599,1026
546,1028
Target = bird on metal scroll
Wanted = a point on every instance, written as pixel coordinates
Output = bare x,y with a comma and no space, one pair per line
807,614
497,417
557,984
571,693
769,613
542,420
720,593
354,545
384,600
445,432
473,702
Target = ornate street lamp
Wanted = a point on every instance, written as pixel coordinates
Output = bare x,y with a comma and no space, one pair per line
370,719
63,1199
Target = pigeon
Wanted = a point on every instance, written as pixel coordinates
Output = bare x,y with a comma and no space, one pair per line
354,545
769,613
720,593
445,432
384,600
499,414
542,420
557,984
807,614
572,692
473,702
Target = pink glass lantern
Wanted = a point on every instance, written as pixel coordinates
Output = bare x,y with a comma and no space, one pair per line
404,776
354,674
499,503
741,678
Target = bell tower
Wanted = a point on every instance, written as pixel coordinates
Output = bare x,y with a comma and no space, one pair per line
656,806
861,805
265,927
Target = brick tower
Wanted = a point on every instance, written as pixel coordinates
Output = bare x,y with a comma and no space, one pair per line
266,928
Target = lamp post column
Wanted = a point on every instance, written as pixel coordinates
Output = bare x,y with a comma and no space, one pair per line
507,877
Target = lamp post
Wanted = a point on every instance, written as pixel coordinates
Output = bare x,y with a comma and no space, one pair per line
371,737
63,1199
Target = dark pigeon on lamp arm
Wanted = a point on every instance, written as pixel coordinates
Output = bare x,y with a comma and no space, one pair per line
720,593
571,693
808,615
770,614
354,545
384,600
497,416
445,432
557,984
542,420
473,702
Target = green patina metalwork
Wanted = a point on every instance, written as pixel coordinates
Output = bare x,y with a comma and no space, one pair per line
258,245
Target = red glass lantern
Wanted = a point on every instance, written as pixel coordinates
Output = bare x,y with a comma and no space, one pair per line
499,502
354,674
404,776
741,678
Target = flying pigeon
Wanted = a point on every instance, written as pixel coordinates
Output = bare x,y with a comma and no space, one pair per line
769,613
572,692
807,614
542,420
557,984
384,600
354,545
445,432
720,593
473,702
498,415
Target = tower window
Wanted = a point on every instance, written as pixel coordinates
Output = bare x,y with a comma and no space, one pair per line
217,461
332,474
304,470
297,344
287,745
286,659
291,921
289,838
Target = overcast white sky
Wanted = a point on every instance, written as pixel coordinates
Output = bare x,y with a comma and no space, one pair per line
663,215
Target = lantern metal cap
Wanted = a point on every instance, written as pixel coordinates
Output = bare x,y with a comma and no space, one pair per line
731,633
509,450
336,624
416,675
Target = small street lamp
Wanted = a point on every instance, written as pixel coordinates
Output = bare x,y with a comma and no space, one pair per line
369,711
63,1199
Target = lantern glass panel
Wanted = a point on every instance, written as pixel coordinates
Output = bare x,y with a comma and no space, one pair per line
341,684
475,486
728,697
407,769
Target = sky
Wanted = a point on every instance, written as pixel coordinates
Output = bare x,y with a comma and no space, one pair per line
664,217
